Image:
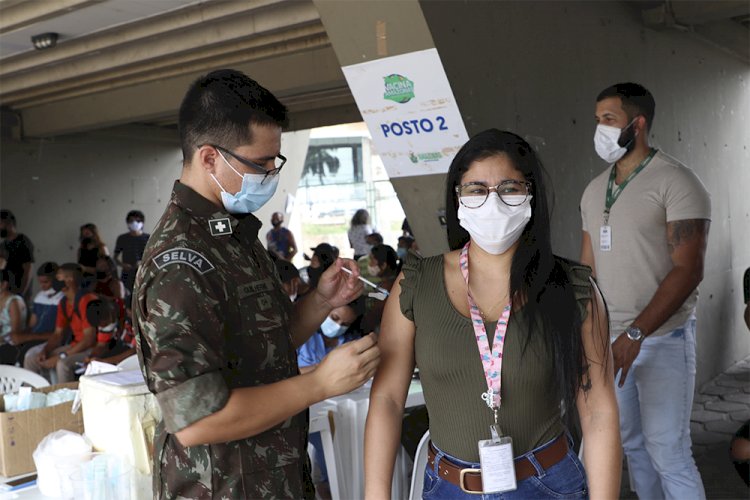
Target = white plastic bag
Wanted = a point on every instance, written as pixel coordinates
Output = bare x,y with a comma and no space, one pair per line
56,458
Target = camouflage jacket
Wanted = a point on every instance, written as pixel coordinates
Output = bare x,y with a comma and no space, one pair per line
210,316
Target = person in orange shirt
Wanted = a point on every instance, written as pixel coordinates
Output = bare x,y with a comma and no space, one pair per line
56,353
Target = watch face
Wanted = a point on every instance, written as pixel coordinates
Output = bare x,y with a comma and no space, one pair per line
634,333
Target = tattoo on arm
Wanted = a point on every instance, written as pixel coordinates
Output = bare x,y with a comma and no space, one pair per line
682,232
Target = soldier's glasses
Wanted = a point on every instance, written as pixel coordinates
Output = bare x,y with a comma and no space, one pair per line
511,192
279,162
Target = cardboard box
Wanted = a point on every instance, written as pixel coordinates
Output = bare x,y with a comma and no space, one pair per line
22,431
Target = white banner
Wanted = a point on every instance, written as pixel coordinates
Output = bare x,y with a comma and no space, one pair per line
408,106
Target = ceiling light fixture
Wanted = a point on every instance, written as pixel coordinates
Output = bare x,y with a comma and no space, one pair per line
44,40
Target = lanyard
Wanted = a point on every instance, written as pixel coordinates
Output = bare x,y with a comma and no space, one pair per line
492,359
614,193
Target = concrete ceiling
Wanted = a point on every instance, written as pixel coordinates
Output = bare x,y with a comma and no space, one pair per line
129,61
126,61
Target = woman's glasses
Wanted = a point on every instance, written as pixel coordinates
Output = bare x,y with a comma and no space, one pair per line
513,193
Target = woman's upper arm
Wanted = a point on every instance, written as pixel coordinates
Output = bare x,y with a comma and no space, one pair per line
396,342
15,316
598,357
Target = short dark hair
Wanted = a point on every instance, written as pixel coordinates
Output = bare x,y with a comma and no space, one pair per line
100,311
48,269
377,236
6,214
75,269
219,108
135,214
636,100
385,254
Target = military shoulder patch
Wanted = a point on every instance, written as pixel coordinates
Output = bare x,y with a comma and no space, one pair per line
220,227
184,256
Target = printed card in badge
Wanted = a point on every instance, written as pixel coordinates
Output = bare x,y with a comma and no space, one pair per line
605,238
496,459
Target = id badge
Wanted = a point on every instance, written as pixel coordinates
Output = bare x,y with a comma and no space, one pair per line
605,238
496,460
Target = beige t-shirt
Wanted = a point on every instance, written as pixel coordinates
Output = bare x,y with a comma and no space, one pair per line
629,274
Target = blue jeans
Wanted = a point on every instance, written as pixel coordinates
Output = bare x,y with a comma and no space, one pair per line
655,404
565,479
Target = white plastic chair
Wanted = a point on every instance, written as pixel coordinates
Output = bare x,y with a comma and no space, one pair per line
324,422
13,377
130,363
420,462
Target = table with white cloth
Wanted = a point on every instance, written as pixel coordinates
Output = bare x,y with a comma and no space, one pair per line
348,442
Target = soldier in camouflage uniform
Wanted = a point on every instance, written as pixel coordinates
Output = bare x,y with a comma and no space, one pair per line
216,334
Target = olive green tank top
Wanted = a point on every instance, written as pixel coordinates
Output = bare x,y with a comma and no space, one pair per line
452,376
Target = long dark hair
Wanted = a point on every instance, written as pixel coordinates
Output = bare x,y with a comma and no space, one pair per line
96,239
537,279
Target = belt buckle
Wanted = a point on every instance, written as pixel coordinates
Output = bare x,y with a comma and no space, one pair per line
461,481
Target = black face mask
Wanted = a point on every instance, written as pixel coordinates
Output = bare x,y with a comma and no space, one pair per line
3,233
57,285
102,275
86,241
627,138
276,224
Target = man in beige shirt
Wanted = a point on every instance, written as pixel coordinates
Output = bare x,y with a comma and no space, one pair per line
645,227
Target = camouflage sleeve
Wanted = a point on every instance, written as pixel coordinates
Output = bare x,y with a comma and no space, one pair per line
178,317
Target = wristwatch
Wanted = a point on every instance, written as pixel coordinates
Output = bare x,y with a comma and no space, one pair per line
62,355
634,333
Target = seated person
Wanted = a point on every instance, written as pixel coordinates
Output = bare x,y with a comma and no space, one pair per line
334,331
115,340
42,322
323,256
739,448
337,329
12,318
383,264
56,354
373,239
107,283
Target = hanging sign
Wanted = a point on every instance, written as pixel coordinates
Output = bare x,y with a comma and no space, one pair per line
410,110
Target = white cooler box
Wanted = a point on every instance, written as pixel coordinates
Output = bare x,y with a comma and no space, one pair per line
120,416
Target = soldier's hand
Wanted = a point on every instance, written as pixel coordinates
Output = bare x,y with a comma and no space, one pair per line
348,366
337,287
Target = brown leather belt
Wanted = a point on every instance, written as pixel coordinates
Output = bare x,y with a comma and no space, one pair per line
470,480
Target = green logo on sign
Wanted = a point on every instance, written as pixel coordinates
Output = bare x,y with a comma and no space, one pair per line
398,88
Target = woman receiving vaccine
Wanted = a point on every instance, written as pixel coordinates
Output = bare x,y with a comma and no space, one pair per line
508,338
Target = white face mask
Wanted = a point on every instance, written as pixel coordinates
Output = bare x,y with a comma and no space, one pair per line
135,226
373,270
331,329
495,226
109,328
606,142
252,195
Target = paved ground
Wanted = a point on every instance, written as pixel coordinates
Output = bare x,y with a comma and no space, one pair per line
720,408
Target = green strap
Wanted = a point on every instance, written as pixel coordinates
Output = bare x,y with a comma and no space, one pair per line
613,194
